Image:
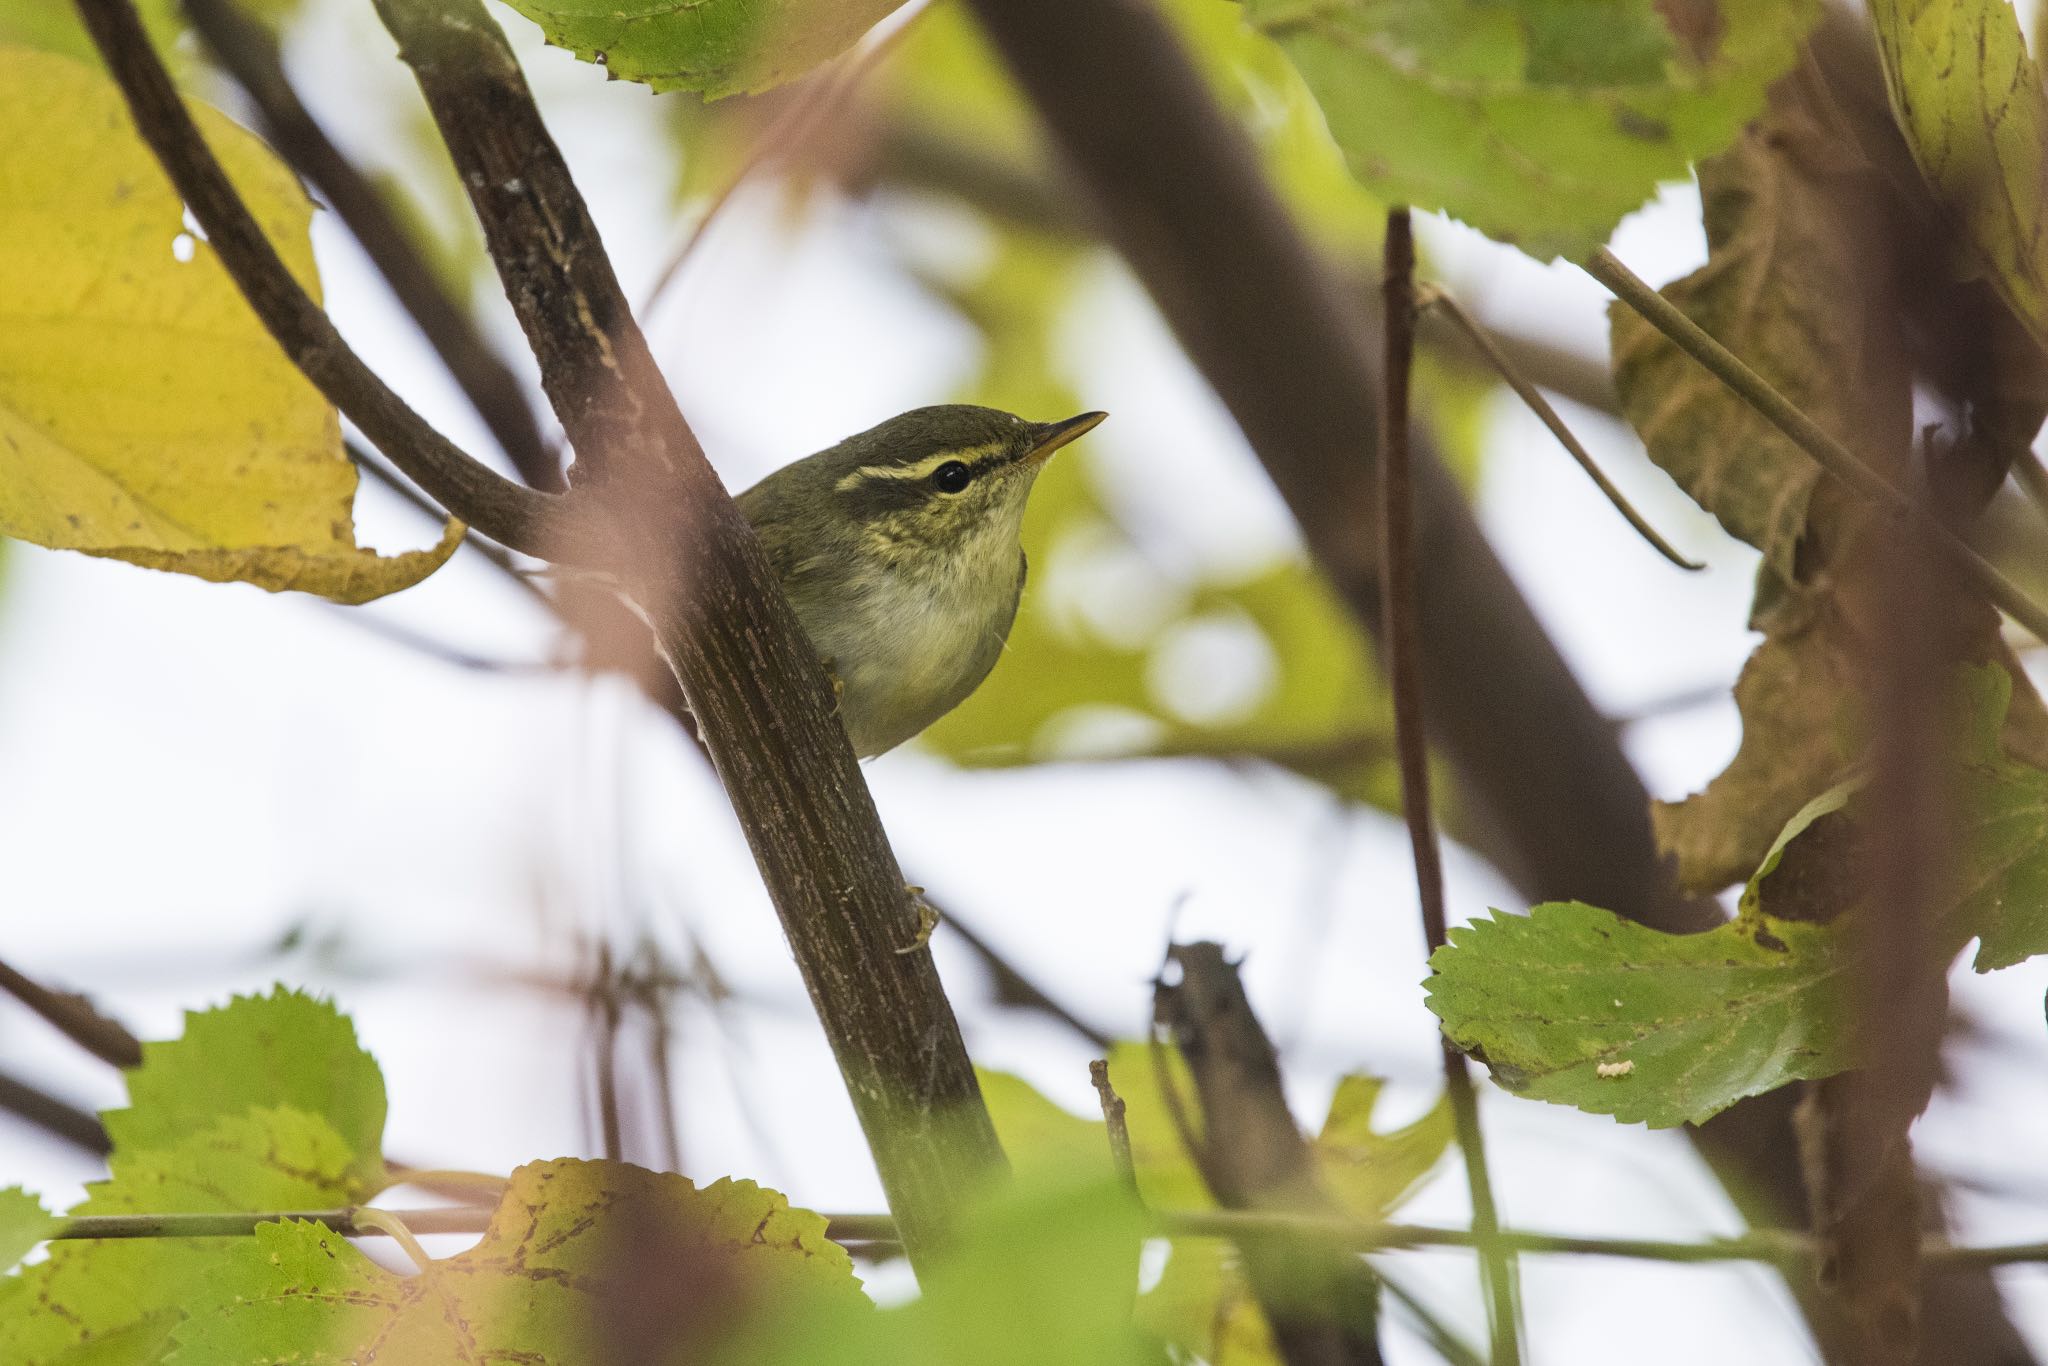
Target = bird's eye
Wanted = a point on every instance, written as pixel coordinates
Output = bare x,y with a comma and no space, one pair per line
951,477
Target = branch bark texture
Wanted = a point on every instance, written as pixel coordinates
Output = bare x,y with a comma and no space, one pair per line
692,564
1322,1305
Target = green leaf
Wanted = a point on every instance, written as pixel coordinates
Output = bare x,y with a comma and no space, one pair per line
2004,898
113,1303
572,1247
23,1224
1203,1305
1969,100
1371,1172
284,1049
718,47
1540,122
53,26
1683,1025
145,413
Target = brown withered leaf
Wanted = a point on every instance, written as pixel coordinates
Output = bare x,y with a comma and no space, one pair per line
1786,287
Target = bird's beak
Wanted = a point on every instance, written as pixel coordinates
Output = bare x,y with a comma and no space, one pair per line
1050,436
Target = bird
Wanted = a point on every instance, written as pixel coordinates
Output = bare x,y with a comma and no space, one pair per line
901,550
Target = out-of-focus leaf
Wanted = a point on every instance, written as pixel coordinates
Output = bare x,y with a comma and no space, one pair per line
53,26
2004,897
1969,100
1576,1005
23,1223
717,47
573,1248
114,1302
1041,1270
1511,118
284,1049
145,413
1369,1171
1203,1305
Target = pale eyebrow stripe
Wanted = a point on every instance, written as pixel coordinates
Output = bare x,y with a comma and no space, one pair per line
922,469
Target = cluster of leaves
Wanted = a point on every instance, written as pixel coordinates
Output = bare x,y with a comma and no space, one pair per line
1574,1004
269,1104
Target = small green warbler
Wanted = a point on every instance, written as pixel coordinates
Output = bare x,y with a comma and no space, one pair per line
899,549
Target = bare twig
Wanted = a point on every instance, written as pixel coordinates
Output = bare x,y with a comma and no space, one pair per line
59,1119
823,93
1400,634
1012,986
1113,1121
1773,1246
1436,298
248,51
506,511
1831,455
76,1018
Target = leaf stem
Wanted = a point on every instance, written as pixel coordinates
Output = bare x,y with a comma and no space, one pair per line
1401,633
1827,452
1436,298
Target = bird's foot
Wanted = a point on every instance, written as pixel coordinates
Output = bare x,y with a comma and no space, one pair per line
928,919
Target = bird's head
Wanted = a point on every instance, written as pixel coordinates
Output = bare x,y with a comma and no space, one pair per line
942,485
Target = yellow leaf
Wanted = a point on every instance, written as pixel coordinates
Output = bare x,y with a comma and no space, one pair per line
1969,101
145,414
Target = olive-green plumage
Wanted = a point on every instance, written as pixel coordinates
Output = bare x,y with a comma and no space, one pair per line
899,549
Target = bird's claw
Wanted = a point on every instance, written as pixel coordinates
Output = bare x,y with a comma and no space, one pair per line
928,919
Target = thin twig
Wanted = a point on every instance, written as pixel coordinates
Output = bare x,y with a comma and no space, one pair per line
1778,1247
248,51
373,465
501,508
1401,633
76,1018
1831,455
1437,298
1012,987
1113,1121
823,93
58,1118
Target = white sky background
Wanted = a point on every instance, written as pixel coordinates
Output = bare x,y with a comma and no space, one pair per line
190,771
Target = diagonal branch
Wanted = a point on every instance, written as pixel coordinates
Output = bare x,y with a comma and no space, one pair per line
692,564
500,508
248,51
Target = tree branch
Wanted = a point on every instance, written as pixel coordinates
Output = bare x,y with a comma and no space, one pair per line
1323,1306
500,508
55,1117
691,562
248,51
1401,643
76,1018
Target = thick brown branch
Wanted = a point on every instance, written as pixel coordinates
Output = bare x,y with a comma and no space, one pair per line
1323,1306
503,510
688,558
248,51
